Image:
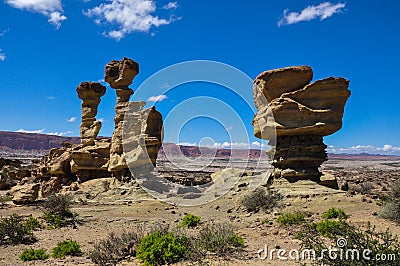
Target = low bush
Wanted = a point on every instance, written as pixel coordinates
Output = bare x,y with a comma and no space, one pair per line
159,249
321,237
363,188
334,213
261,199
33,223
290,218
115,248
327,227
66,247
34,254
220,239
391,210
190,220
14,230
56,211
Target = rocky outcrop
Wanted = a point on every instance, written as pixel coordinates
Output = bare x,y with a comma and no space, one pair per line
51,187
302,114
26,193
97,157
90,94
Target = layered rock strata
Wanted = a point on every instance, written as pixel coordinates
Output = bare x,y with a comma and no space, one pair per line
302,114
90,94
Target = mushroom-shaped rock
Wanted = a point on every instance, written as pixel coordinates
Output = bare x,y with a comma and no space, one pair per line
303,113
120,74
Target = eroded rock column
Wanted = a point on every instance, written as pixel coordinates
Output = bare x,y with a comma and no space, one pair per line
90,94
303,113
120,74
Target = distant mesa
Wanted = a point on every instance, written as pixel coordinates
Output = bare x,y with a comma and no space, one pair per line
303,113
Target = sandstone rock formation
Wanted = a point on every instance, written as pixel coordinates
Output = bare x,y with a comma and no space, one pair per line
90,94
120,74
303,113
144,126
26,193
102,157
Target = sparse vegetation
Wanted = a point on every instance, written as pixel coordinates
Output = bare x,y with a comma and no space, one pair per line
290,218
391,211
190,220
363,188
66,247
4,199
261,199
323,235
220,239
34,254
56,211
327,227
116,247
14,230
159,249
33,223
334,213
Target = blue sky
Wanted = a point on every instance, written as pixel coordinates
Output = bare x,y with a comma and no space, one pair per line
47,47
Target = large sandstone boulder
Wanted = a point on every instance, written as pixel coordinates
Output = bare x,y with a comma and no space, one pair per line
300,114
26,193
51,187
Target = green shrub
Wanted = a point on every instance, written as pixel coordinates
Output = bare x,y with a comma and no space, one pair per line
13,230
4,199
66,247
327,227
322,236
261,199
391,211
220,239
115,248
159,249
190,220
334,213
290,218
33,223
33,254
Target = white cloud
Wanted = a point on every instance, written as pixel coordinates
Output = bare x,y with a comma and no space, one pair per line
171,5
128,15
61,134
158,98
187,144
323,11
4,32
2,55
49,8
50,97
72,119
101,120
385,150
41,131
37,131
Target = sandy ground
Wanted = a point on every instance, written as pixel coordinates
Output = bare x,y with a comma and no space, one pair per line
98,220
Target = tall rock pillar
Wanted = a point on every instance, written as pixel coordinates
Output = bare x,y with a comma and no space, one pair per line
90,94
120,74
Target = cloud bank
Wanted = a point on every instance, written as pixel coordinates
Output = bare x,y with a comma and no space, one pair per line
385,150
